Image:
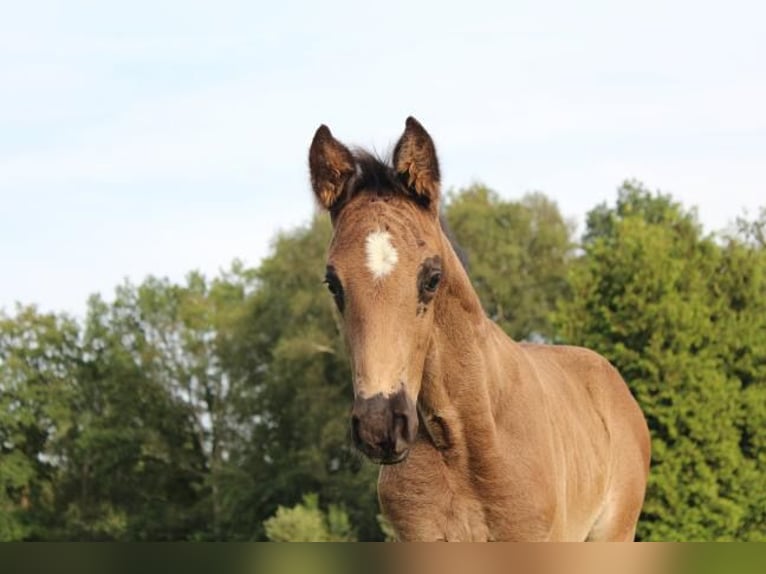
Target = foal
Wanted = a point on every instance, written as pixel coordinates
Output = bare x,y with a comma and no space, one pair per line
480,437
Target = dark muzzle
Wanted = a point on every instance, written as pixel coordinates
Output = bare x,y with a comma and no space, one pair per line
384,426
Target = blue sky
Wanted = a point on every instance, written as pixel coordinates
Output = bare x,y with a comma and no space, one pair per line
159,137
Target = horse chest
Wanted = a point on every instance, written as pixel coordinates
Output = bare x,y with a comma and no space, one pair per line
424,500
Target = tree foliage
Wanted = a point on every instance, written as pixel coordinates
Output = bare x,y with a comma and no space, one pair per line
666,304
38,364
300,390
518,254
207,409
306,522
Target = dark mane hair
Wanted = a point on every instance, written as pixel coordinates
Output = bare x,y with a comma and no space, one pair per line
375,174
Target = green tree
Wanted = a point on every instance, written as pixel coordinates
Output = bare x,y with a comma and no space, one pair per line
306,522
129,467
151,404
296,413
38,356
196,410
644,295
740,291
191,329
518,256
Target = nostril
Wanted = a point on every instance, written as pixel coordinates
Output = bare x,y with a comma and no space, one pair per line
387,446
355,429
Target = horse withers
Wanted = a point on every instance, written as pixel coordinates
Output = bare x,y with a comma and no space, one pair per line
479,437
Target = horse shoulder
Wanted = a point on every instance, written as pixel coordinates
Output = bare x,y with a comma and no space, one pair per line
613,431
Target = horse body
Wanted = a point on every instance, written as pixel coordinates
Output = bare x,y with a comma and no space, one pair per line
517,441
482,438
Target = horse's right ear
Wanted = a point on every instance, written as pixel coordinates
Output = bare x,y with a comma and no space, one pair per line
331,165
415,162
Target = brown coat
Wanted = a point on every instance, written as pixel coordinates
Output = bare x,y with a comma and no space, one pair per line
482,438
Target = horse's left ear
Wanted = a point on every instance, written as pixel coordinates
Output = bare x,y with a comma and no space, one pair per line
415,161
331,165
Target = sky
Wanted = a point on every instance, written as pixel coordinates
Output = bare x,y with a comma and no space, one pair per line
160,137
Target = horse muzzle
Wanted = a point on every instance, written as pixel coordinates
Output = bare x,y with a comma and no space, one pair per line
384,426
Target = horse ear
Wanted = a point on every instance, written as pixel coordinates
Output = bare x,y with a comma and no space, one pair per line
331,165
415,161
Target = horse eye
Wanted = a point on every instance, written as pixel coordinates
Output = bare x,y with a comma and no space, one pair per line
433,281
332,286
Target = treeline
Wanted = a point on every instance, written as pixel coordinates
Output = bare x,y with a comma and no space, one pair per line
217,409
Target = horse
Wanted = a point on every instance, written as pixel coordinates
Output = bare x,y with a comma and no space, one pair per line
478,437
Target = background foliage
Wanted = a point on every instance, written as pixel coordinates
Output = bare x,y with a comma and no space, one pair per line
216,409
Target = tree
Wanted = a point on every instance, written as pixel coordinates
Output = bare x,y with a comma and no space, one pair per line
306,522
206,409
646,295
300,392
518,254
129,468
38,355
191,329
740,291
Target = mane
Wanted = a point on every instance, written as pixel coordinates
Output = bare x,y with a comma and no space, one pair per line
376,175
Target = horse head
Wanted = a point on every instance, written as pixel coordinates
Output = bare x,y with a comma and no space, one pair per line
387,266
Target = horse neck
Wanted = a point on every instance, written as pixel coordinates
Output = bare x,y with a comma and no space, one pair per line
469,361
